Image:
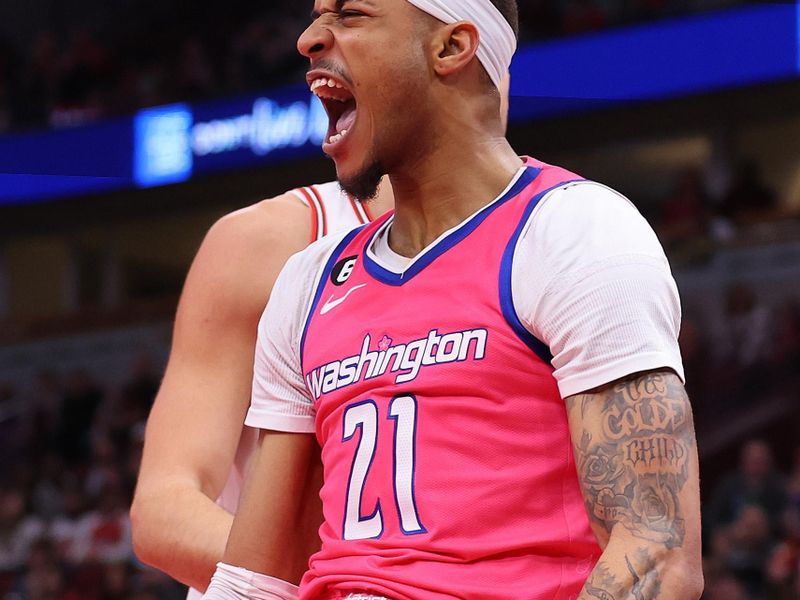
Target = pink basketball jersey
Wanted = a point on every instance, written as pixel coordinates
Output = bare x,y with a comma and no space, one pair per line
448,464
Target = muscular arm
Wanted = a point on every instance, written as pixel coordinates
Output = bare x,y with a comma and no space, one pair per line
275,528
196,422
636,455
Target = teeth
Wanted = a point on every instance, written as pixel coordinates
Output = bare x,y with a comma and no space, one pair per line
337,137
325,82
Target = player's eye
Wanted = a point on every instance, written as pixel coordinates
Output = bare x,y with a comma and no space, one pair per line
350,14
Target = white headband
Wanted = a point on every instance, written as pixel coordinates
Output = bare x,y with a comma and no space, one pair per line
497,40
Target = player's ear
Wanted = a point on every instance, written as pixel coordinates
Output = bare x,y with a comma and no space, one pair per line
455,46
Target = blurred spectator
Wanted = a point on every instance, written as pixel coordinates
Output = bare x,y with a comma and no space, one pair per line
47,500
694,350
116,581
18,530
783,569
14,425
66,530
754,484
196,78
785,340
85,66
81,399
105,534
582,16
740,351
104,469
124,419
539,18
43,578
793,488
141,389
685,213
8,68
44,401
725,588
744,336
749,199
750,544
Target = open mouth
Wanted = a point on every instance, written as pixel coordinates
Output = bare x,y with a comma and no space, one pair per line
339,103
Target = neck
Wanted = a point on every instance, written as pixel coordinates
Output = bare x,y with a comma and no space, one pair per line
384,201
439,189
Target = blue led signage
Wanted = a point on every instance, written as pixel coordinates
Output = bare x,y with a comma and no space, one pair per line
162,151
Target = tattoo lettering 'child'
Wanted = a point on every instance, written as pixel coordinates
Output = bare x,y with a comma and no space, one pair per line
635,462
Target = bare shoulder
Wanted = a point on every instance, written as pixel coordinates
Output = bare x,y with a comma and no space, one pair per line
242,253
262,228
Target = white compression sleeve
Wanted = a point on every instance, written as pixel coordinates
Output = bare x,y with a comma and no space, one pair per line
236,583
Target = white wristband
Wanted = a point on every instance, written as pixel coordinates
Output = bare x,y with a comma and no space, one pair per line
236,583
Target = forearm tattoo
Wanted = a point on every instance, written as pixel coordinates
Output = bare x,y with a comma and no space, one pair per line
635,462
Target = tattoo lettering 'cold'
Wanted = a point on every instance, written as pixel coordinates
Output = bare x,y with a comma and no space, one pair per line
633,472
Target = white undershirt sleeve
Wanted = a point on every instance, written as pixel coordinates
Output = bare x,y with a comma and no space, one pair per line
590,280
280,400
236,583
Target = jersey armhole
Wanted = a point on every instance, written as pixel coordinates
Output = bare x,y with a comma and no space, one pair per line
510,314
312,199
360,210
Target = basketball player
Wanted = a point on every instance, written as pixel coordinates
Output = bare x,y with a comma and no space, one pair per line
451,357
196,448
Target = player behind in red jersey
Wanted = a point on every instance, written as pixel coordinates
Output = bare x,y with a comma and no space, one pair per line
492,372
196,449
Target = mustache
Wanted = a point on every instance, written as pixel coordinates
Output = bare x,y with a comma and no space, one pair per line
328,65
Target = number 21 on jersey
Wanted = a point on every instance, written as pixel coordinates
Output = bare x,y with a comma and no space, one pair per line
364,416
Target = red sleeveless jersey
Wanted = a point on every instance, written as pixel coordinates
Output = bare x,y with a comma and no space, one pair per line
448,463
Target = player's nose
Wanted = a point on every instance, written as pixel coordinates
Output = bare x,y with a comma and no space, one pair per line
315,40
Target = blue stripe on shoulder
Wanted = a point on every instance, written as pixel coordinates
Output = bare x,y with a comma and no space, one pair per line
506,267
326,273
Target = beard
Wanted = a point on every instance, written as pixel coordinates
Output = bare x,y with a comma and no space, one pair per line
363,186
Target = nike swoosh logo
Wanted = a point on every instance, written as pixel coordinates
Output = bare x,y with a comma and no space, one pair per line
331,303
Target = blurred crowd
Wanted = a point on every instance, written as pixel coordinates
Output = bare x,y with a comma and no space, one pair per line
69,463
749,353
83,68
752,530
699,209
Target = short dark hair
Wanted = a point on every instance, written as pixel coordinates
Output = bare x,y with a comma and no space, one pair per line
508,8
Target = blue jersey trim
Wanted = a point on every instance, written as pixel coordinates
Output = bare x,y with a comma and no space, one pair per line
326,273
397,279
506,266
